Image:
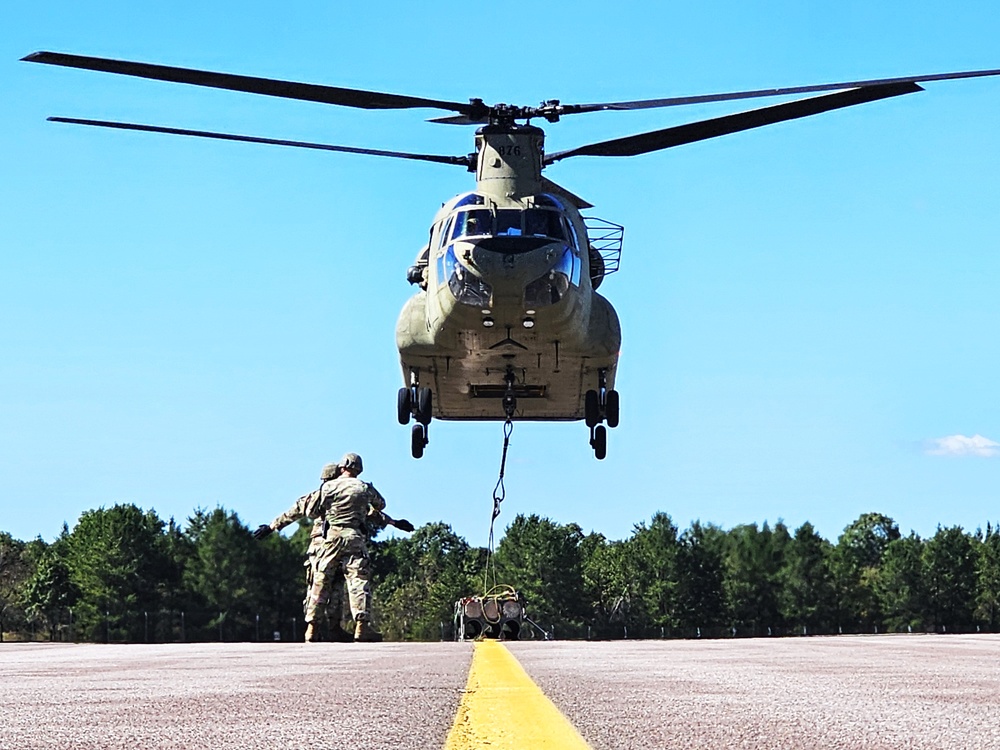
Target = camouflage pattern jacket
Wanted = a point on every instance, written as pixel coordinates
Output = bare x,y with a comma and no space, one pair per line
344,502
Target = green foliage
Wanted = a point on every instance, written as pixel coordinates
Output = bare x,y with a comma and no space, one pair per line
122,574
700,569
281,588
118,562
808,601
223,570
544,562
857,560
900,586
651,559
754,561
49,592
949,567
988,578
608,587
14,571
234,583
418,580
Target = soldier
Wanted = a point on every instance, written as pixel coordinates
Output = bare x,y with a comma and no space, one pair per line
344,503
335,608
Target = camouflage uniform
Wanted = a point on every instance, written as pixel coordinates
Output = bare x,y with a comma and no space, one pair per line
335,609
344,504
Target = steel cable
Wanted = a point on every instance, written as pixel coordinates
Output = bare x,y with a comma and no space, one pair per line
499,493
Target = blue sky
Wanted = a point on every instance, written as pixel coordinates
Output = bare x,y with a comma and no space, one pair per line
809,310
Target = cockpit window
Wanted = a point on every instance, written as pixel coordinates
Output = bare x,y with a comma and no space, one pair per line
472,199
541,223
446,228
508,222
475,223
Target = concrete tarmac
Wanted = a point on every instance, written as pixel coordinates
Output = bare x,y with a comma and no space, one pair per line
886,692
872,692
229,696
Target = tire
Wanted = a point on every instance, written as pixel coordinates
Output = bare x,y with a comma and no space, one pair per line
611,408
418,439
404,406
591,408
600,442
425,404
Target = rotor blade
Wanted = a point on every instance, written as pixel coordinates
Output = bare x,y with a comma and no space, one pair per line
698,131
459,120
459,160
569,109
266,86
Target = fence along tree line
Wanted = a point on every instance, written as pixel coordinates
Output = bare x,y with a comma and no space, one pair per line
124,575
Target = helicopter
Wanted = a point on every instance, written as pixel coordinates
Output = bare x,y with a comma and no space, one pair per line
507,321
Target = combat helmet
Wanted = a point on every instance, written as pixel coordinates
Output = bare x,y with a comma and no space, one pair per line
330,471
352,461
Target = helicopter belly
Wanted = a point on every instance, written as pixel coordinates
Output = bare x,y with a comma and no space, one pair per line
547,367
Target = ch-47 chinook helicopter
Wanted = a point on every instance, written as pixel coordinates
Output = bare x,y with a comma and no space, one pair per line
507,321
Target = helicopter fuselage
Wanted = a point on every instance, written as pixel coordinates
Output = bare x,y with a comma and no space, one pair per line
508,294
507,322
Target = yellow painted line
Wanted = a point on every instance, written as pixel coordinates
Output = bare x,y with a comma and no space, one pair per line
503,709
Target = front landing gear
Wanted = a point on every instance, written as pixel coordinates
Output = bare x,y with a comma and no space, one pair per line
418,403
601,405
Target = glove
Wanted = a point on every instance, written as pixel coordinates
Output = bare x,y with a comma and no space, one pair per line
262,532
403,525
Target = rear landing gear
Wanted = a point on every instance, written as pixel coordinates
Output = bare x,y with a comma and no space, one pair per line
601,405
599,441
404,405
418,440
418,403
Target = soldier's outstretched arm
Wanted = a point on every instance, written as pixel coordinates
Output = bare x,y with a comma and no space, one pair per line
304,507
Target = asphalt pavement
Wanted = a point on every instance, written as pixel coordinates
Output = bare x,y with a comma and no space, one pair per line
873,692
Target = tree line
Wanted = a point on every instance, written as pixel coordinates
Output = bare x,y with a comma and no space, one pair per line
122,574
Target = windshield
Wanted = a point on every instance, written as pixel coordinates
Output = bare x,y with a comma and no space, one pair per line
509,222
541,223
475,223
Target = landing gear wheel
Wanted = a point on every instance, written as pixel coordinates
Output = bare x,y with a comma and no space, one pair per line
600,442
418,440
611,408
404,406
591,408
425,401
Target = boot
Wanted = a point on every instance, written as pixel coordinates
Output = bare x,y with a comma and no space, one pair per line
339,635
364,632
312,635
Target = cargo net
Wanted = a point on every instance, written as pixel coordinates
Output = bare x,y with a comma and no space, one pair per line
499,613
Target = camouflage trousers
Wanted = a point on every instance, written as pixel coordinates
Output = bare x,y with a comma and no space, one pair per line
335,606
343,551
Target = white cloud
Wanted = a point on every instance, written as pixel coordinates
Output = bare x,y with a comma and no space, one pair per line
960,445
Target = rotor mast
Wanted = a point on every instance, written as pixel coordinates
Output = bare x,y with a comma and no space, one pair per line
509,159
